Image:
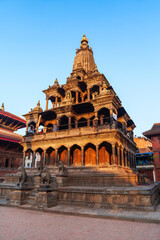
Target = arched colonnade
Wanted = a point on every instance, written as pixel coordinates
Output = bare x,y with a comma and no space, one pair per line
103,154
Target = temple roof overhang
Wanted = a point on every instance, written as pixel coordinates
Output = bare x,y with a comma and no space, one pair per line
155,130
11,121
9,136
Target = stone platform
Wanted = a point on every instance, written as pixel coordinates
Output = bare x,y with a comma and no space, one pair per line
107,188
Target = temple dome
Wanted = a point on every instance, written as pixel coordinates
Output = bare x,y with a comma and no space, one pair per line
37,109
84,57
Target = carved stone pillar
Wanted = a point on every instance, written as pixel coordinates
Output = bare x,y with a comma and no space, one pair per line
57,124
68,156
114,154
88,94
88,122
23,162
76,97
46,104
97,154
33,158
56,157
69,123
126,159
96,119
44,158
122,157
118,156
56,101
76,124
82,156
26,127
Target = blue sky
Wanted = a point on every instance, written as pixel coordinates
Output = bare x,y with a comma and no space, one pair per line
38,40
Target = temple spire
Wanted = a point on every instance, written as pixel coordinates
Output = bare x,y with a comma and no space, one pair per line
2,107
84,39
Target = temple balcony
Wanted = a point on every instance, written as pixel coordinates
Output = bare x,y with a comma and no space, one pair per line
70,131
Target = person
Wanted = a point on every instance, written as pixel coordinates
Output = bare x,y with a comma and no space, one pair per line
55,128
37,158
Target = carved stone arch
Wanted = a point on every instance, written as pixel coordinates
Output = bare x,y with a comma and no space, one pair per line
62,154
50,156
105,153
90,154
75,155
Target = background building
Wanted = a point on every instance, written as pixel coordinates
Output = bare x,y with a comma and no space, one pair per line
10,148
154,135
144,157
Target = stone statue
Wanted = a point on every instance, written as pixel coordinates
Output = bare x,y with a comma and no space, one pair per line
22,175
60,166
45,175
68,95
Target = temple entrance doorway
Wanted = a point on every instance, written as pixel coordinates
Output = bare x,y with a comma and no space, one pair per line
90,155
76,155
105,154
62,153
50,156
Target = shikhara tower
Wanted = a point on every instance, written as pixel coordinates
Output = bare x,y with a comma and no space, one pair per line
86,124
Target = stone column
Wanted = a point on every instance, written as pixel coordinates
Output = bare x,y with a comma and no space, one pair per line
33,158
56,157
77,97
56,101
88,94
126,158
122,157
114,154
82,156
44,158
100,88
88,122
97,154
96,119
118,156
46,104
68,156
69,123
57,124
23,162
26,127
76,124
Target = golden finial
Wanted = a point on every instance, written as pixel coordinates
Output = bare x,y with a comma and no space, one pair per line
56,81
38,104
2,107
84,39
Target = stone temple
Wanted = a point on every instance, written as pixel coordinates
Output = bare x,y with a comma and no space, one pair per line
81,149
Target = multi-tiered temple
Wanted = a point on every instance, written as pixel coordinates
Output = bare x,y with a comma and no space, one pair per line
86,124
81,149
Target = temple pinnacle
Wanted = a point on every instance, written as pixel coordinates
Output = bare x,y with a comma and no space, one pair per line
2,107
84,39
